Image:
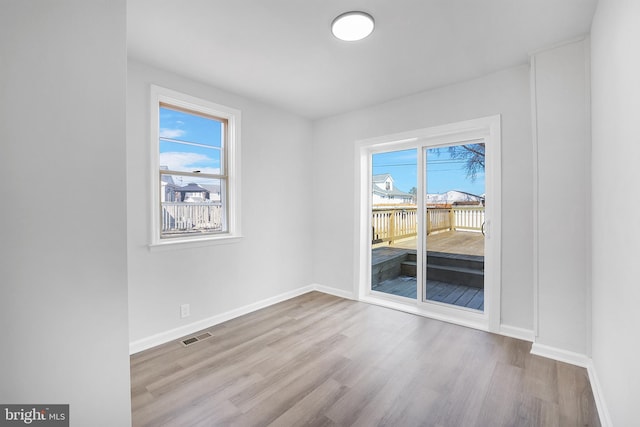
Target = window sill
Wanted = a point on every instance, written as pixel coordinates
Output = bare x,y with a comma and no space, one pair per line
177,243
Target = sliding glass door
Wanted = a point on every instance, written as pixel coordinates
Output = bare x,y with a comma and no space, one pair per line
454,215
429,222
450,268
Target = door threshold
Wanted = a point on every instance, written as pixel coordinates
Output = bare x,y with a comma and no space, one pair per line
444,312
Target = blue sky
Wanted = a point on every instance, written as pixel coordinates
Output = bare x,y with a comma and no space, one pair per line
206,133
443,173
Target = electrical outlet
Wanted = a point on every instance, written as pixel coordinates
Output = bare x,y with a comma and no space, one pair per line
184,311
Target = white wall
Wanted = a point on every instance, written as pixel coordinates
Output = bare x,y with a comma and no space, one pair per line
505,93
561,108
616,150
63,308
274,256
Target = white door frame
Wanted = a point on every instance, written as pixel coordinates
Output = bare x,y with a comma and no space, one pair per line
486,129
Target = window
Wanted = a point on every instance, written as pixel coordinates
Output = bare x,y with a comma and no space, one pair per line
195,188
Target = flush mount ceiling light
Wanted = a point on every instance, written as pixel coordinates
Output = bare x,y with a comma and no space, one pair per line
352,26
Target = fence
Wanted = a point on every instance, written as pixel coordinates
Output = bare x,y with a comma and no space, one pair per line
390,224
181,216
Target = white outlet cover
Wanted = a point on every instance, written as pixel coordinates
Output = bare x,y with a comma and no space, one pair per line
184,310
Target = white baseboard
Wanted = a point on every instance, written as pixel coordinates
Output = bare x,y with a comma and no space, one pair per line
334,291
584,362
519,333
560,355
173,334
170,335
603,410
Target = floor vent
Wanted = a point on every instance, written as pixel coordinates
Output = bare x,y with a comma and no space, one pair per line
197,338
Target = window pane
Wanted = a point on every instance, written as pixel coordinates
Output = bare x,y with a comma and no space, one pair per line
191,205
394,223
183,126
454,218
180,157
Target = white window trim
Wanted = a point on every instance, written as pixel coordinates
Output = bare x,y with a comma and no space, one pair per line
486,128
233,117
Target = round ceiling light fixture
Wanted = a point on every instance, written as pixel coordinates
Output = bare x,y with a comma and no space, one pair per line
352,26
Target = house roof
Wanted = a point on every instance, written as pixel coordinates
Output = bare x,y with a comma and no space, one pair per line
387,193
215,188
468,194
192,187
454,196
381,177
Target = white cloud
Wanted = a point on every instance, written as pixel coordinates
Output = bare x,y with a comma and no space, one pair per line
171,133
188,162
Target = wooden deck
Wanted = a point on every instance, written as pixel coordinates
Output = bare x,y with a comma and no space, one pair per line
454,242
460,295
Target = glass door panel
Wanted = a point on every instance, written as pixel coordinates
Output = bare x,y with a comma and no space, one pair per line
454,225
394,221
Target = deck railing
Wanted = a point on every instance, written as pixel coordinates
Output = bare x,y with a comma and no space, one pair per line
181,216
394,223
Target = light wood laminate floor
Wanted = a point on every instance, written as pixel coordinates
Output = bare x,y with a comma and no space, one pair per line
326,361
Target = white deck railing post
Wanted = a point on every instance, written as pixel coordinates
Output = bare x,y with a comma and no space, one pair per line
180,216
390,223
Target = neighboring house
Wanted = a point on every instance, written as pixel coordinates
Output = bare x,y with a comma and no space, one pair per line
169,188
192,192
454,197
385,192
214,192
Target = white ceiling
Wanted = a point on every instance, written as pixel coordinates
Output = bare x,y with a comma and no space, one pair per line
282,52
